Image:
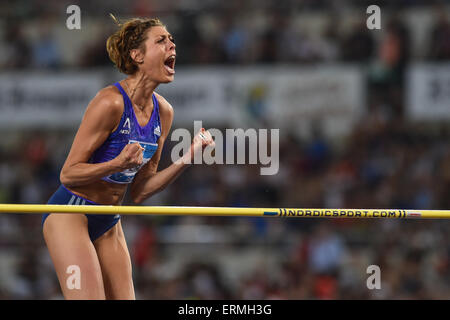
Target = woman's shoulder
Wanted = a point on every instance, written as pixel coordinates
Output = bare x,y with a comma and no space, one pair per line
165,108
108,99
166,114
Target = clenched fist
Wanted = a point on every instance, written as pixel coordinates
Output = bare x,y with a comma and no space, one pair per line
201,140
131,156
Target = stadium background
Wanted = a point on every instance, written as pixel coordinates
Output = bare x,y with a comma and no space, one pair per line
364,123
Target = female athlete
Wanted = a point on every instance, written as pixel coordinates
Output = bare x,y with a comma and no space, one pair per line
117,146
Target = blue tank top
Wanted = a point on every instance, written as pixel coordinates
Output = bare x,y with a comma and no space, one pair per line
130,131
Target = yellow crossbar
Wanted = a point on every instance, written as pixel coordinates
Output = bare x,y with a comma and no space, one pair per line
226,211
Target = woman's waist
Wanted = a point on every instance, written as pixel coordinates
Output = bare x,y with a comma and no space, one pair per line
101,192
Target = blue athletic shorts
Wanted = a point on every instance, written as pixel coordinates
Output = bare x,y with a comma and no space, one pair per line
98,224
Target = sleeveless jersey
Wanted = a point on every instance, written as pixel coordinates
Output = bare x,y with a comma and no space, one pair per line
130,131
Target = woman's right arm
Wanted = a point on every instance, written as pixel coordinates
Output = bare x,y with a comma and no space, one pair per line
101,118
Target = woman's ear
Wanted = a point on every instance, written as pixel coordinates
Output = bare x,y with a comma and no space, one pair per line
137,56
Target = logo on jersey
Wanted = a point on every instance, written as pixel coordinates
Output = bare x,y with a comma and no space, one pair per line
126,125
157,131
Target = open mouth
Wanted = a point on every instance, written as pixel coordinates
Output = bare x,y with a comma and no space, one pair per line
169,64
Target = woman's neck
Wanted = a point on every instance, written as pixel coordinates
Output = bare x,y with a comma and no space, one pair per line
140,89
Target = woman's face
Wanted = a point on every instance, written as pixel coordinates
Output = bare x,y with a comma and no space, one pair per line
159,58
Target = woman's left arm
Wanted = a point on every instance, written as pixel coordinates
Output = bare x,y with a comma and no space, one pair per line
148,181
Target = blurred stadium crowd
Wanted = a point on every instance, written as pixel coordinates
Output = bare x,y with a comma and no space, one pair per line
386,162
234,32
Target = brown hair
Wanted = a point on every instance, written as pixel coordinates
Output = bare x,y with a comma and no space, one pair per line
131,35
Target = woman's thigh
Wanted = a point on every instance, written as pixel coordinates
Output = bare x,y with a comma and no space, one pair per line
74,256
114,258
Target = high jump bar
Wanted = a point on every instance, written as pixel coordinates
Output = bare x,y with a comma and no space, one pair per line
226,211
